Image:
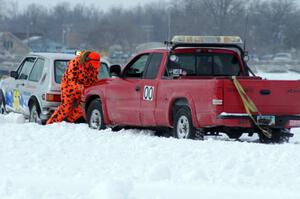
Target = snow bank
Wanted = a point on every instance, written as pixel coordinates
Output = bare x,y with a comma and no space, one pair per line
72,161
12,118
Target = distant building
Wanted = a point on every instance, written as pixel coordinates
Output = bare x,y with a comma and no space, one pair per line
12,50
42,44
10,45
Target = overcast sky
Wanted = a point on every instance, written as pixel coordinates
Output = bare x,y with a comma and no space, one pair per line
102,4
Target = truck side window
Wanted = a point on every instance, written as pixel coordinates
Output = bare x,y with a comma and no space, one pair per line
37,70
185,62
26,67
136,69
153,66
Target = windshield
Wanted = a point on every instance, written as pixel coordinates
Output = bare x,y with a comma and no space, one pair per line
104,71
61,65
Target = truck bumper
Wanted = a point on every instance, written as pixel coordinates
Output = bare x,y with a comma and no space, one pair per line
281,121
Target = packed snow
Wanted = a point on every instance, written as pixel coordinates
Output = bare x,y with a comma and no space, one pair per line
71,161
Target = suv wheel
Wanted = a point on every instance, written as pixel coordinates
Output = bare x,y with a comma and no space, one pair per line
95,115
2,104
35,112
183,125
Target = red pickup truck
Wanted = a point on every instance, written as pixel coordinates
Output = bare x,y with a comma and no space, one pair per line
189,89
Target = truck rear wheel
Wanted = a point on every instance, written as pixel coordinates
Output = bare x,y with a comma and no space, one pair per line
279,136
95,115
183,124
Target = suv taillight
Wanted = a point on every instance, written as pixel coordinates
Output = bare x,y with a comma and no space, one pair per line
52,97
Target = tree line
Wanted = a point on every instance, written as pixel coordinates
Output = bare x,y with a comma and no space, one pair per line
266,25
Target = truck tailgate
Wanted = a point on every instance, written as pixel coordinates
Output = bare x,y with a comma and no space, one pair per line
272,97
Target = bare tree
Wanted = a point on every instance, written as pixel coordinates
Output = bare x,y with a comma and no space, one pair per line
270,24
2,8
269,21
222,12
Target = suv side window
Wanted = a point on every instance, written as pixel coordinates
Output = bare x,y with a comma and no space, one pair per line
137,67
37,70
153,66
26,67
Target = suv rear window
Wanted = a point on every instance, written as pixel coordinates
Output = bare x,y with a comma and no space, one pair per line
59,69
61,65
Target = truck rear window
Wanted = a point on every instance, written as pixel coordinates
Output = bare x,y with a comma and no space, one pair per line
205,64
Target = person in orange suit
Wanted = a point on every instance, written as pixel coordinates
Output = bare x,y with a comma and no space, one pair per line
82,71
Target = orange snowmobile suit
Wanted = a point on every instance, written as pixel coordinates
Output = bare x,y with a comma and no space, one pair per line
82,72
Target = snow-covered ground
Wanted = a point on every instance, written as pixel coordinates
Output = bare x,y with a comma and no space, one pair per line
64,161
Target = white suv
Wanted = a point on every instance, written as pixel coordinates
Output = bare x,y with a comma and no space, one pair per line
34,89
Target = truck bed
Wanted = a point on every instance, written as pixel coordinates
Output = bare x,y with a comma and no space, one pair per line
272,97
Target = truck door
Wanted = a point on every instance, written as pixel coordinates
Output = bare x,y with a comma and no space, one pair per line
149,90
123,94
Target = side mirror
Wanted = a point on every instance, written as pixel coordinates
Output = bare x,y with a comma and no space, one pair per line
14,74
115,70
246,58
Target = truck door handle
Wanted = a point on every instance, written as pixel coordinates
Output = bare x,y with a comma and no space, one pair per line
265,92
137,88
21,84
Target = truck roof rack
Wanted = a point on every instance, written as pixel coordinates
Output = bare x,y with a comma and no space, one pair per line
174,45
206,41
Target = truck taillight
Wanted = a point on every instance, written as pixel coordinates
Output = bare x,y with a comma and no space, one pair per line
294,123
52,97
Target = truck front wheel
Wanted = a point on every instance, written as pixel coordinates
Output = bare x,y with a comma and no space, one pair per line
183,125
95,115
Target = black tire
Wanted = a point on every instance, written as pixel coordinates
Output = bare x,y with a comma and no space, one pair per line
95,115
183,124
34,113
234,135
2,104
279,136
163,132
